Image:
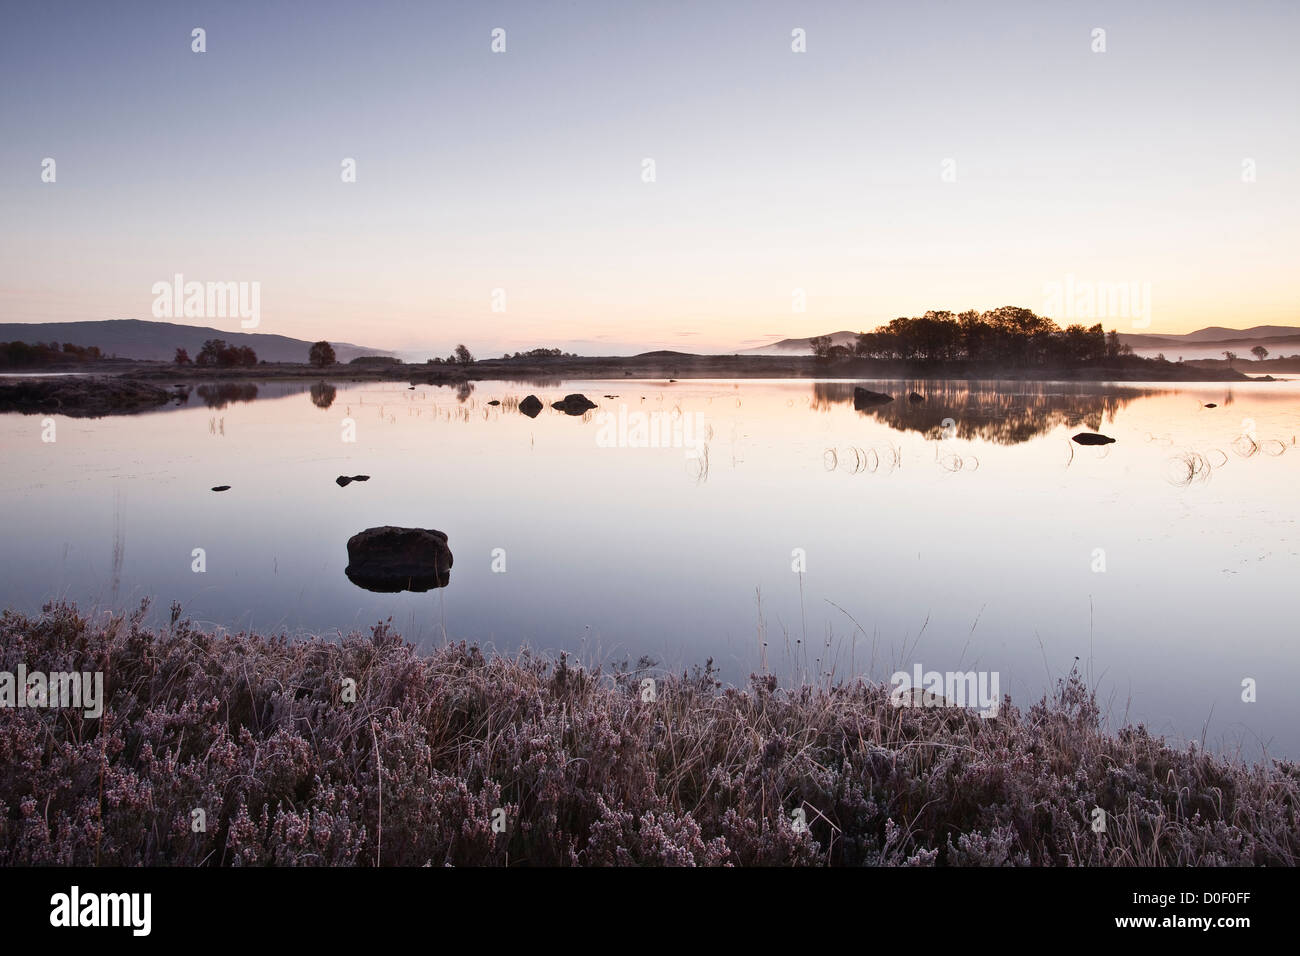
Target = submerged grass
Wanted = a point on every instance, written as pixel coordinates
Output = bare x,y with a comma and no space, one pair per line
576,766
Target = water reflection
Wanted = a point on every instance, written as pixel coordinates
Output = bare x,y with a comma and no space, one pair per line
322,394
1008,413
226,393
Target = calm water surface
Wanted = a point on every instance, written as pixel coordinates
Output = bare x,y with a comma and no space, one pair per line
962,532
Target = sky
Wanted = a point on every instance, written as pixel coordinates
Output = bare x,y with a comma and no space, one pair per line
915,156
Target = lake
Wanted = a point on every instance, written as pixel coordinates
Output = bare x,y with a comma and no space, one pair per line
778,528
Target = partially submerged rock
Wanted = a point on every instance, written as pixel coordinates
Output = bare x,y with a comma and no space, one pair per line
344,480
915,397
1092,438
575,404
866,398
221,488
531,406
391,559
494,402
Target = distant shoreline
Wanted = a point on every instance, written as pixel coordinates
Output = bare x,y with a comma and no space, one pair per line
664,365
112,386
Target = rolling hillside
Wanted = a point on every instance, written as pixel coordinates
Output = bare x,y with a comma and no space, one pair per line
158,341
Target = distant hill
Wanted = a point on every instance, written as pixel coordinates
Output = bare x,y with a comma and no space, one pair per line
801,346
1215,335
1210,342
158,341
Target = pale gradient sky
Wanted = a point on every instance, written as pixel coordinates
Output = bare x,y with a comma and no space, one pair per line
522,170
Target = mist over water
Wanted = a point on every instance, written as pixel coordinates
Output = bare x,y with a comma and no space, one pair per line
963,530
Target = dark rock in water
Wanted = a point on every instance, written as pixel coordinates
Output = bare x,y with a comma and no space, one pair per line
531,406
410,388
391,559
574,404
1092,438
1211,405
221,488
344,480
611,396
494,402
916,397
866,398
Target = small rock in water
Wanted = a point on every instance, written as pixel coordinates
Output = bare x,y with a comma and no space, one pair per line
1211,405
865,398
221,488
494,402
1092,438
344,480
916,397
531,406
574,404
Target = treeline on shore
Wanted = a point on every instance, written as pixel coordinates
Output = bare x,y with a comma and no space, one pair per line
224,750
1008,336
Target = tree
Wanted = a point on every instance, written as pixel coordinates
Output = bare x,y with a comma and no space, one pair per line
183,357
321,354
821,346
462,355
210,354
1231,357
1259,352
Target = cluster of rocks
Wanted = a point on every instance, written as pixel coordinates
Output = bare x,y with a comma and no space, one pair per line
575,404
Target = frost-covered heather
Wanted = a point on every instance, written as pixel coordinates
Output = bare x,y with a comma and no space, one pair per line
253,731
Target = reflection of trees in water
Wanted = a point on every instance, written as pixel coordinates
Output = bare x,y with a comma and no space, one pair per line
219,396
322,394
984,411
463,391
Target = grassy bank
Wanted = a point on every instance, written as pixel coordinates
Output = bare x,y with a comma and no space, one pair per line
258,734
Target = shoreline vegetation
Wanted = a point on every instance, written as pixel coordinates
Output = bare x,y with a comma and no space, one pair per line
115,386
460,757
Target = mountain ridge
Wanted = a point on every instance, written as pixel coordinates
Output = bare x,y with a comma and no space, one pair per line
153,340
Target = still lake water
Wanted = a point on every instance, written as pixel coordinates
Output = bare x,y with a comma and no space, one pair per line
990,542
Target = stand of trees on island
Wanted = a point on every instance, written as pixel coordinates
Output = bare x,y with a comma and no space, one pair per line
216,353
1006,336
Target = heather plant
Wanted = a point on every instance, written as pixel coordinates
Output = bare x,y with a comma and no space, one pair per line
460,758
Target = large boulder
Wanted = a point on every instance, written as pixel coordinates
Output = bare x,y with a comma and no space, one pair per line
531,406
866,398
1092,438
393,559
574,404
